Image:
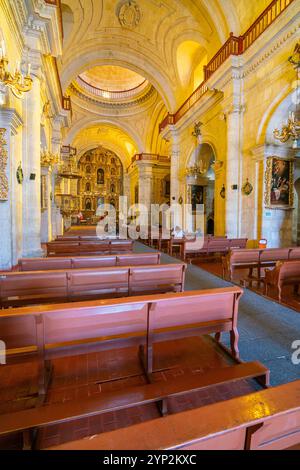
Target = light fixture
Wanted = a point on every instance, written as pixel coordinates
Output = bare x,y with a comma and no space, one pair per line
291,130
198,169
17,82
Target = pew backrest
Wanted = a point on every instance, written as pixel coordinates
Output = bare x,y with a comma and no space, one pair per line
294,253
77,262
274,254
61,248
238,243
25,288
214,310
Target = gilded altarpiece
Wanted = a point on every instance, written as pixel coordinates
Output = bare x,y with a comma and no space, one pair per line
3,163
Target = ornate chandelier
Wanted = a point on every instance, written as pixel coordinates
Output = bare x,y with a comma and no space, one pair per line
198,169
17,82
291,130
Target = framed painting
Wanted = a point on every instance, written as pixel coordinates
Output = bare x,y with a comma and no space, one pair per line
196,195
279,183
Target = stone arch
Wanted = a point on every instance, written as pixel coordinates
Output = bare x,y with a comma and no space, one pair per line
278,103
94,120
111,54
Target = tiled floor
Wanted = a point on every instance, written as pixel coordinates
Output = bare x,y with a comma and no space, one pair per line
75,378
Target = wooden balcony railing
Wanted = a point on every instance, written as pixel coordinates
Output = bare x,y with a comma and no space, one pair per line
233,46
66,103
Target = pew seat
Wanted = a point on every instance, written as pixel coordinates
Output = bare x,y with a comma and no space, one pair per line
28,421
265,420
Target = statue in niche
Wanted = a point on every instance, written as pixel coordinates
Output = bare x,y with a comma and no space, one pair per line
113,171
100,176
88,187
88,205
112,188
88,169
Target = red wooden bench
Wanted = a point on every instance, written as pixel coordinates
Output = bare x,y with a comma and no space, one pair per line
256,259
284,274
30,420
264,420
72,262
32,287
212,245
57,330
65,248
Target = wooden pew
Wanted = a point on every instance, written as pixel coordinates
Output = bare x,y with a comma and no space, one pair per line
239,259
32,287
256,259
264,420
30,420
212,245
59,330
61,248
284,274
43,264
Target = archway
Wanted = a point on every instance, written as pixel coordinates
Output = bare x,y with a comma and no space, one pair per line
101,181
200,185
280,219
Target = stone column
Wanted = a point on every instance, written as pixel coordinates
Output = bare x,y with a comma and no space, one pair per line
56,217
258,157
145,184
46,186
11,226
177,210
234,171
32,168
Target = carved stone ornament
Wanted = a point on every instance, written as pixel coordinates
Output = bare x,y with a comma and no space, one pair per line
3,163
19,174
223,192
247,188
129,14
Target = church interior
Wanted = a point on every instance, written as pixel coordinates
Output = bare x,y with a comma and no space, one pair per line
113,334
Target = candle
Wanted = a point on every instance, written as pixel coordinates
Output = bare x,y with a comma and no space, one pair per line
29,70
17,66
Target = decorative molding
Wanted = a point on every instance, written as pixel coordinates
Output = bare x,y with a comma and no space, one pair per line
112,104
129,14
10,119
3,163
49,159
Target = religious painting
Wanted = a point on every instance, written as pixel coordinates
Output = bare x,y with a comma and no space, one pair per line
279,178
88,204
197,195
100,176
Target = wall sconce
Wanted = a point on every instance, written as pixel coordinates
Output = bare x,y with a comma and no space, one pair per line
18,83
